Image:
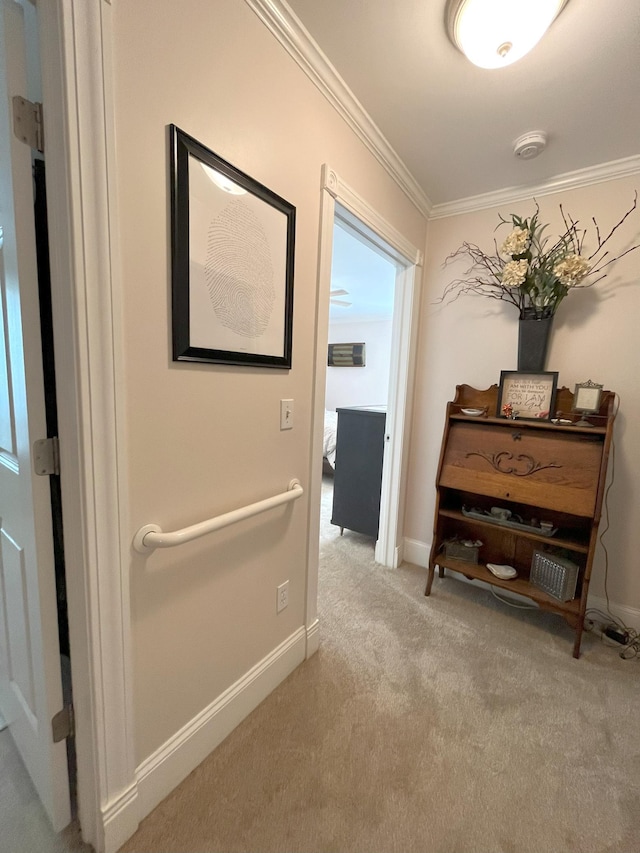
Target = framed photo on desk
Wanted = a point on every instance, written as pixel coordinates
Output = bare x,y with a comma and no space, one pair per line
527,396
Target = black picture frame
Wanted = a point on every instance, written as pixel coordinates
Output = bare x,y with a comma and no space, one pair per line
232,261
532,396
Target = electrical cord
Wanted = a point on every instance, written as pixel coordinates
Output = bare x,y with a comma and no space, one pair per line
632,649
609,620
598,620
606,512
513,603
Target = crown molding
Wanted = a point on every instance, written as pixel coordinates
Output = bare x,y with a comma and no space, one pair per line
367,221
298,42
560,183
281,21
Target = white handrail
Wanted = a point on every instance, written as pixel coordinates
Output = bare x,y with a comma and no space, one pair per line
150,536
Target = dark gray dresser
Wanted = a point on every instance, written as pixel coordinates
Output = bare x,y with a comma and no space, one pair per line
358,475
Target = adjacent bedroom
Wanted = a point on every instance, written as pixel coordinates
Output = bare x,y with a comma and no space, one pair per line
363,284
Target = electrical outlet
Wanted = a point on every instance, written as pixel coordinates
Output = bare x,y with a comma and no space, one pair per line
282,596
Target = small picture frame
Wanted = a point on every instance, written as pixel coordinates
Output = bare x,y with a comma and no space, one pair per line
232,259
527,396
587,397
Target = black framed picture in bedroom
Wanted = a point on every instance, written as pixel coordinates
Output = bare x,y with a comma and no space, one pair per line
346,355
232,255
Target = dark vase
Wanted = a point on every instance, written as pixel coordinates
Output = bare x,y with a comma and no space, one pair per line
533,343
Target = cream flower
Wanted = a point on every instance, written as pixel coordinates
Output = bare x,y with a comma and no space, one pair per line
514,273
517,242
571,270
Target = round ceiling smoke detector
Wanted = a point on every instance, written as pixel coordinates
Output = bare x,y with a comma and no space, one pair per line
529,145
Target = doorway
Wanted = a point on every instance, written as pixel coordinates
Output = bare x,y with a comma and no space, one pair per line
361,308
340,202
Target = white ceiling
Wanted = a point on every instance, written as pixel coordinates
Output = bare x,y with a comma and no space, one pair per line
453,125
366,275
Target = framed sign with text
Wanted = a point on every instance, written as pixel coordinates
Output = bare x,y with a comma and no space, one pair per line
527,396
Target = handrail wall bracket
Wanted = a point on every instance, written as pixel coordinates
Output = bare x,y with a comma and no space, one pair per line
138,540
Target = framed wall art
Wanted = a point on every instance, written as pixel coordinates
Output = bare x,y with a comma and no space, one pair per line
346,355
529,396
232,256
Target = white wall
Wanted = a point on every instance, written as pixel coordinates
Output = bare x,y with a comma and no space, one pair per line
595,336
204,439
361,386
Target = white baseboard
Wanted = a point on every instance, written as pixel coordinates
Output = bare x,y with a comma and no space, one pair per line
417,552
629,615
162,771
120,820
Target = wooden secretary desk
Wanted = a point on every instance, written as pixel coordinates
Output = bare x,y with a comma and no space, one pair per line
537,471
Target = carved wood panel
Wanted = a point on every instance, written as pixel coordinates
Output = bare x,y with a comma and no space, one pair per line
555,471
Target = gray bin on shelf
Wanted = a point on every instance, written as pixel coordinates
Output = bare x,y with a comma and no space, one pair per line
460,550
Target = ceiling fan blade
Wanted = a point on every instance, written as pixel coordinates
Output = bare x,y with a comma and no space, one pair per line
340,292
339,302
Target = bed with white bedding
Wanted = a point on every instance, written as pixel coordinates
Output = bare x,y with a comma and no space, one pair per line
329,446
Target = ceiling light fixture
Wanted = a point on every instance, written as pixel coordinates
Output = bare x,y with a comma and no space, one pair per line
495,33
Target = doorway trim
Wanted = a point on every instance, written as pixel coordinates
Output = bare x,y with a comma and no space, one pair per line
361,216
76,50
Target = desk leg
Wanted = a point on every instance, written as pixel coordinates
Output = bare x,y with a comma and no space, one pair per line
432,569
578,640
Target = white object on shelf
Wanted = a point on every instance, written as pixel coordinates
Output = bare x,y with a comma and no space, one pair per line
505,573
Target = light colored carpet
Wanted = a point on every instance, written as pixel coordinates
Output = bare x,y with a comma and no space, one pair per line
423,725
24,825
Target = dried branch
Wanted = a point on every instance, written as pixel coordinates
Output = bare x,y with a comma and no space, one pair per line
537,277
615,227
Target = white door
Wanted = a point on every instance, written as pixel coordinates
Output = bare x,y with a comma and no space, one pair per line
30,679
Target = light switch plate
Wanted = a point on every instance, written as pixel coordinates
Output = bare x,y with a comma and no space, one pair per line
286,414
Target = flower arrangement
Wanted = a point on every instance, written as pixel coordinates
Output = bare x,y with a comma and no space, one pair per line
530,271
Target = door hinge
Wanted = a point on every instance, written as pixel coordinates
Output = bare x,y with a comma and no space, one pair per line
46,456
63,724
27,122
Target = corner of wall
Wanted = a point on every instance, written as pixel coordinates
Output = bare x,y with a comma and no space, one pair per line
120,820
313,638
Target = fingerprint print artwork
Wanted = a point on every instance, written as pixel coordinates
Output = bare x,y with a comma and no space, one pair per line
232,262
238,271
